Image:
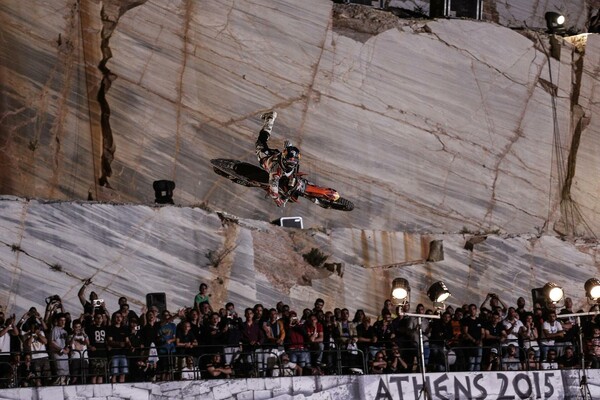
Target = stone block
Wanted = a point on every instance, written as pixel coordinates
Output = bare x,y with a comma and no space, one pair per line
255,384
273,383
50,393
103,390
222,391
131,393
262,394
303,384
247,395
17,394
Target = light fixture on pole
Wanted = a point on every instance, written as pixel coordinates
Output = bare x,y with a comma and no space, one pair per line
400,291
438,293
555,23
553,293
592,290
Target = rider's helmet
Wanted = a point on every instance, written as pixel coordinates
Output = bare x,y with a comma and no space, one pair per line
290,157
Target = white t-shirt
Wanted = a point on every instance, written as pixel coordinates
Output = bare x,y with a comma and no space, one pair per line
5,342
551,328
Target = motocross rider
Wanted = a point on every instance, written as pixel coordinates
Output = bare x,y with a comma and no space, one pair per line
278,163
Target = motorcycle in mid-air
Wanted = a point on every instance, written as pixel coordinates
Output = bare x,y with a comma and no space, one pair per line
251,175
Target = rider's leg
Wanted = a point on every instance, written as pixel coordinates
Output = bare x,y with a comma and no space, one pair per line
261,147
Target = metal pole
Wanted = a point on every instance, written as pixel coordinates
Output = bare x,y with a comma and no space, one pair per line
424,388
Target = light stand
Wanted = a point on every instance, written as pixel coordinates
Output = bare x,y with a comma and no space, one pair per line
583,386
424,388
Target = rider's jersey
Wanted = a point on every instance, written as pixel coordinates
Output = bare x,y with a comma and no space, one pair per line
272,164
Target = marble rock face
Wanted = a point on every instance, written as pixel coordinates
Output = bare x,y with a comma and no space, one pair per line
423,127
435,129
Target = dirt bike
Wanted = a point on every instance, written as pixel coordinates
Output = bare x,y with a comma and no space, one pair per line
251,175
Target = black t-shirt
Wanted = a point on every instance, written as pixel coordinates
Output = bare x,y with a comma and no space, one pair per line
118,334
494,331
473,327
149,334
97,335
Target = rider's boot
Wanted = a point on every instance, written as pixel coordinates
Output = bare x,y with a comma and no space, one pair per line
269,118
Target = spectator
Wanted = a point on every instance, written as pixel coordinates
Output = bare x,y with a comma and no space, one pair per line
593,346
217,369
296,348
202,297
496,304
389,306
379,363
186,342
286,367
188,372
8,329
511,361
358,317
252,339
395,362
550,361
383,330
494,336
35,342
78,342
441,333
274,331
205,312
232,334
472,335
195,322
521,311
314,334
149,338
551,330
403,327
413,331
135,356
568,360
259,314
366,338
26,372
118,344
60,350
531,361
529,336
97,349
166,345
319,304
125,311
512,327
87,304
494,362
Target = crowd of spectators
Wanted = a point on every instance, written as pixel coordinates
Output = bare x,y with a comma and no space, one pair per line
205,342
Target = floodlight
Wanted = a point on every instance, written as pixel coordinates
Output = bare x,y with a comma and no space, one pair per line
592,289
438,292
552,292
400,290
555,22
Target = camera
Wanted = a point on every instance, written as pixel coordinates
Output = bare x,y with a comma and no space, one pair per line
98,302
137,328
53,299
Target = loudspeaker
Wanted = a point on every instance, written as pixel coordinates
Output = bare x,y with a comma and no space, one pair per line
291,222
537,296
455,9
157,299
163,191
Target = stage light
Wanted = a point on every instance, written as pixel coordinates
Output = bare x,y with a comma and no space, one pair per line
592,289
400,290
552,292
555,22
438,292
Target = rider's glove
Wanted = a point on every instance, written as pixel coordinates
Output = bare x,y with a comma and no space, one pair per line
279,201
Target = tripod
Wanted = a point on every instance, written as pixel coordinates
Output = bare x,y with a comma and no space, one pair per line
424,389
584,390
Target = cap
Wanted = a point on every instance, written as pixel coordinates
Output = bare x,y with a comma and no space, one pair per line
494,350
